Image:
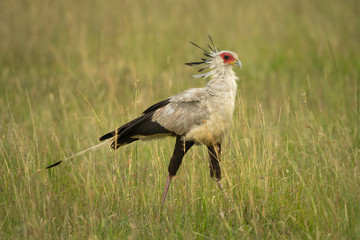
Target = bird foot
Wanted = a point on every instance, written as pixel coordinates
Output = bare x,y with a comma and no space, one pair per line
221,188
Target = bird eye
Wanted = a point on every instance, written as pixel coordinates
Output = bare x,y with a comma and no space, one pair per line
226,57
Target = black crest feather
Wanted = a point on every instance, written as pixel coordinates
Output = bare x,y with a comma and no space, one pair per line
216,49
206,53
200,47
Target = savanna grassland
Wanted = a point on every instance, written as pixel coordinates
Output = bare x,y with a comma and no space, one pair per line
71,71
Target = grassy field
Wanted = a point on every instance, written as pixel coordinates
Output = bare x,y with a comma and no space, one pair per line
73,70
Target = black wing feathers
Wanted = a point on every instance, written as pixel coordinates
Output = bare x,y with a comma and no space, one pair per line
118,131
142,126
157,106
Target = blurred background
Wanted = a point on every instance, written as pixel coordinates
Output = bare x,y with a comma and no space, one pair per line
71,71
108,49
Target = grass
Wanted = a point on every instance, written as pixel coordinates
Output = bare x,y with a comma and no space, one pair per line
71,71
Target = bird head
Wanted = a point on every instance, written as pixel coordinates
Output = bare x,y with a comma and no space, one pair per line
226,58
215,59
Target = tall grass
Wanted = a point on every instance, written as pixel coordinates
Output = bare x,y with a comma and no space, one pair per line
71,71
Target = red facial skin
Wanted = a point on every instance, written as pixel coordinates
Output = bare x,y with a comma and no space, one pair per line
228,58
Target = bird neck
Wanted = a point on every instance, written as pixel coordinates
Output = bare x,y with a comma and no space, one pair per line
223,79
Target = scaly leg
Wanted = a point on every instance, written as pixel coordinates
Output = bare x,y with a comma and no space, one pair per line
215,170
181,147
214,154
168,181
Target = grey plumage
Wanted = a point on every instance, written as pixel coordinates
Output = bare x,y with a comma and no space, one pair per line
183,112
195,116
139,128
202,115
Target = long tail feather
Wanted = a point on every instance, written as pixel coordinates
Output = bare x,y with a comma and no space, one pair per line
93,148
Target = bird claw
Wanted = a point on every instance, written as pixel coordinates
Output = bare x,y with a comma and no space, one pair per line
219,185
221,188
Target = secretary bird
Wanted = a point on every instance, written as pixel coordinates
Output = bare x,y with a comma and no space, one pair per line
195,116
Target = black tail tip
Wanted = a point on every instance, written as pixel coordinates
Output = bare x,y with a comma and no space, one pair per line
53,165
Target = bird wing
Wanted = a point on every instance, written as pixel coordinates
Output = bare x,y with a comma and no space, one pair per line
184,111
175,115
139,127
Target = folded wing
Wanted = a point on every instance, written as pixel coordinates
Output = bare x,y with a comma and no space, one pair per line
173,116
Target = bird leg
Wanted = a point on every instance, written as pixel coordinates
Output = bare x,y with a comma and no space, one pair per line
214,154
181,147
219,185
168,181
215,170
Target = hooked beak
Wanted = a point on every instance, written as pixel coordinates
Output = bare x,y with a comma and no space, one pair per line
237,63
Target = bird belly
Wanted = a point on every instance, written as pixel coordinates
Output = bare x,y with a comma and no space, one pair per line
210,132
